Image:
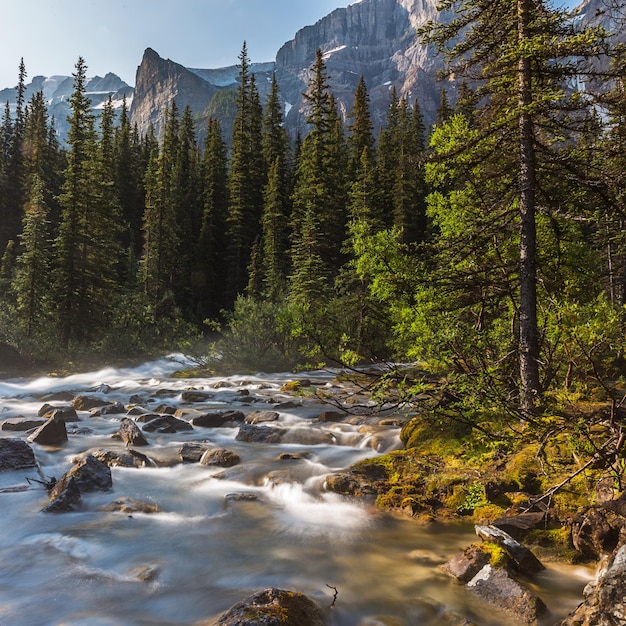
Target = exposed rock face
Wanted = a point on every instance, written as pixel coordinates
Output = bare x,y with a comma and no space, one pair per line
605,600
373,38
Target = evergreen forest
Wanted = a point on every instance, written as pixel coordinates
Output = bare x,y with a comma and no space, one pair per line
488,246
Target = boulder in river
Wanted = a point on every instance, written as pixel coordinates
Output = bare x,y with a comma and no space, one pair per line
192,451
260,434
273,607
216,419
21,424
220,457
16,454
84,402
523,559
52,433
167,424
90,473
67,413
123,458
497,587
130,434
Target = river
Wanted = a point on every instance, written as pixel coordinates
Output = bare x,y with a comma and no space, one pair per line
206,549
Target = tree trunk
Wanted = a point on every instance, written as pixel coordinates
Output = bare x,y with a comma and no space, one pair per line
528,333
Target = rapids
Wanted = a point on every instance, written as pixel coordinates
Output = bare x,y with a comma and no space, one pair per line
205,549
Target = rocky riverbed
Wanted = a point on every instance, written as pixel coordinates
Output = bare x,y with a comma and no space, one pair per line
180,497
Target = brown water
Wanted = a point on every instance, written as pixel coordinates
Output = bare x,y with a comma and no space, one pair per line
206,551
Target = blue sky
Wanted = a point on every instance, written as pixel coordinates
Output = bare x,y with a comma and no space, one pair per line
111,35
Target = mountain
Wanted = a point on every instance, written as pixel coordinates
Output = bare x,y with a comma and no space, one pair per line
373,38
58,89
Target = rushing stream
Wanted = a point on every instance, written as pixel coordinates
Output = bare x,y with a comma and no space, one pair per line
204,549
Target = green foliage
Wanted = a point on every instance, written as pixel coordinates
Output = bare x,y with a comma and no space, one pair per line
254,338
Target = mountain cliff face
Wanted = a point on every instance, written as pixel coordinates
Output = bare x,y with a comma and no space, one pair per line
373,38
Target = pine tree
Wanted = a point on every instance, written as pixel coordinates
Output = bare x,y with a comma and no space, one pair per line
14,183
210,266
320,187
246,179
32,277
521,68
159,260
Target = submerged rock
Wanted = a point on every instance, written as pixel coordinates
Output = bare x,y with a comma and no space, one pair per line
128,506
273,607
16,454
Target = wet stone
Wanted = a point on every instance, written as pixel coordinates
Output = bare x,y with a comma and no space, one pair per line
53,432
21,424
84,402
220,457
167,424
261,417
16,454
130,434
191,451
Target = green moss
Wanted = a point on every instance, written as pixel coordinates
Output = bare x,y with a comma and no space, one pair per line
497,555
487,513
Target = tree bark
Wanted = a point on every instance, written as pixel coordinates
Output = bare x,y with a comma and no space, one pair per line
528,333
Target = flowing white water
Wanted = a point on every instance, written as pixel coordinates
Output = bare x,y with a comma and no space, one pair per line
206,549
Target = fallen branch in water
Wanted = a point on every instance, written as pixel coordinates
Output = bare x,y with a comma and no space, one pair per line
335,596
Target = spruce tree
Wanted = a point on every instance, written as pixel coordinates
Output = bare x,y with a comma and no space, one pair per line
521,69
209,265
159,262
246,179
320,187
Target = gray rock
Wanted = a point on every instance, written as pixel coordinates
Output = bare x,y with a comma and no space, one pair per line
53,432
84,402
16,454
217,419
192,451
496,587
130,434
167,424
65,499
273,607
111,408
193,396
67,413
125,458
260,434
605,600
261,417
21,424
523,559
90,475
220,457
465,565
